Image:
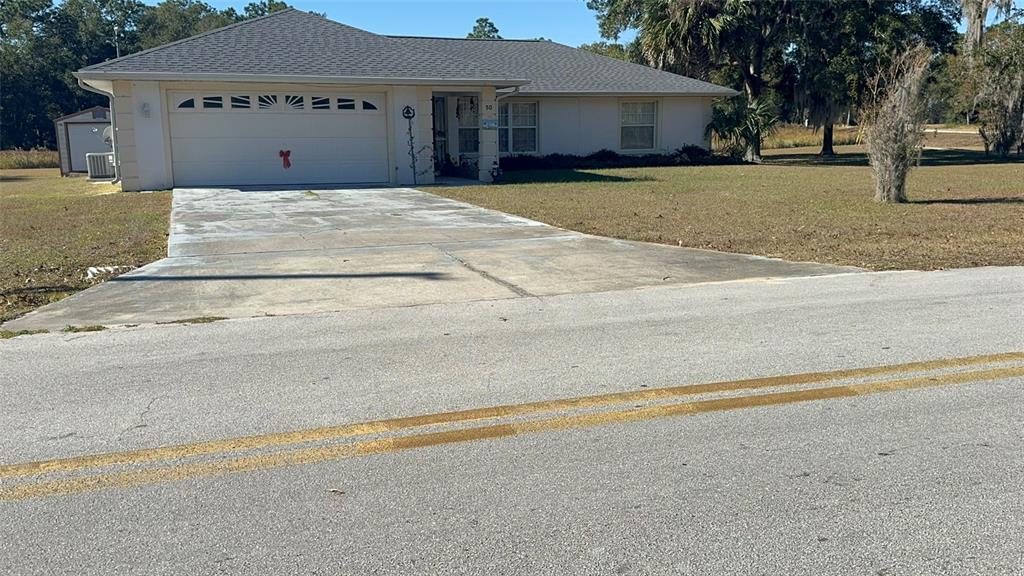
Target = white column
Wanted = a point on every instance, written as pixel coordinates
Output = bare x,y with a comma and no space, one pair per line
488,133
150,139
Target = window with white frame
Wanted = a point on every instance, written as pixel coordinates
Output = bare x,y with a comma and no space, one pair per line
517,127
467,109
638,122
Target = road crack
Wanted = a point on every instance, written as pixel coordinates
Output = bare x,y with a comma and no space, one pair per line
142,417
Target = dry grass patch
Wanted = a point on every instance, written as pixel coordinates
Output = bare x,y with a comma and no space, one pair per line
52,229
22,159
963,212
795,136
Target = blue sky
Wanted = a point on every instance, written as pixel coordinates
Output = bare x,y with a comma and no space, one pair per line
565,21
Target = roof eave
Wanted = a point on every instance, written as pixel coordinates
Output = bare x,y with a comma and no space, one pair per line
297,79
725,93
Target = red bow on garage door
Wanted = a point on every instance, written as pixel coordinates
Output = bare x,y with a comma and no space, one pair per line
285,158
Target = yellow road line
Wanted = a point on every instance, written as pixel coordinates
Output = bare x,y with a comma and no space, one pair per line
403,423
336,452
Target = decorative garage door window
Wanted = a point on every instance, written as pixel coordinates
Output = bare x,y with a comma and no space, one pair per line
517,127
639,120
303,103
211,102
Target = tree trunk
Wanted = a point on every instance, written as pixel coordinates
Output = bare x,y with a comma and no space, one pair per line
754,87
891,179
826,141
890,192
753,153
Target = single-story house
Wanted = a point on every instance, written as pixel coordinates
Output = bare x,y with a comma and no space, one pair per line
79,134
293,98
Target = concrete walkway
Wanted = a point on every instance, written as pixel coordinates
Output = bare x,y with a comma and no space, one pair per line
239,254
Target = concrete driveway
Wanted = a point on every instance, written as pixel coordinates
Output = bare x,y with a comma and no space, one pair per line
236,253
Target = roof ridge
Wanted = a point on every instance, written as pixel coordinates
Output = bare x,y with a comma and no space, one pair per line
415,36
396,39
193,37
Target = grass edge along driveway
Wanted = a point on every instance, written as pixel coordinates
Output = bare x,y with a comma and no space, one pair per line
966,209
53,229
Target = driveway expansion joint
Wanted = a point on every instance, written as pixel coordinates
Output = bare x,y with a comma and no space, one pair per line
483,274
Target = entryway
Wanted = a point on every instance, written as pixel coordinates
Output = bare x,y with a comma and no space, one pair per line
456,134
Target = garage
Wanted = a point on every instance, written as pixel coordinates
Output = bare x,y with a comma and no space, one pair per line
277,138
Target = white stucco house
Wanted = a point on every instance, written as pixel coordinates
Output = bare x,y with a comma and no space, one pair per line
296,99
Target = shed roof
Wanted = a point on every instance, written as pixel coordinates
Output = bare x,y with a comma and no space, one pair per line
89,111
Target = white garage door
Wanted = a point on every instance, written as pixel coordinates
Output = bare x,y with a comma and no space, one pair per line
85,139
268,138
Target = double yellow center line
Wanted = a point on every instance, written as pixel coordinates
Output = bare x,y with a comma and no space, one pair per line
320,444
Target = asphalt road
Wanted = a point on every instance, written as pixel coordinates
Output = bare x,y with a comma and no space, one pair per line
604,459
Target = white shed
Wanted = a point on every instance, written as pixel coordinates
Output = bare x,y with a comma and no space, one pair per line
79,134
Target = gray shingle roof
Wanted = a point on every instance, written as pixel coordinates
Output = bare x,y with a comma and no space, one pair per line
296,44
556,68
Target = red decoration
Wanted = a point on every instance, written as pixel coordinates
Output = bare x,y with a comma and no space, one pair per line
285,158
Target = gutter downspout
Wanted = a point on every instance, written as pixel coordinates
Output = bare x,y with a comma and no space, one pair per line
113,126
515,90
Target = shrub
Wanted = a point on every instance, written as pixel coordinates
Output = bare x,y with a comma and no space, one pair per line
742,126
686,156
894,121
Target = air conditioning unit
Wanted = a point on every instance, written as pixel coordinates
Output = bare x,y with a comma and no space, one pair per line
101,165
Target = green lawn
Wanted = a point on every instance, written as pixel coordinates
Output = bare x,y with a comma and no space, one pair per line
52,229
966,209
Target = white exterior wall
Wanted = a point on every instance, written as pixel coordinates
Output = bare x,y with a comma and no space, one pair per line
681,121
566,125
583,125
419,99
151,137
123,109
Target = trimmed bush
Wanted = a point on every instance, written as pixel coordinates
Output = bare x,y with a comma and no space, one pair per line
685,156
